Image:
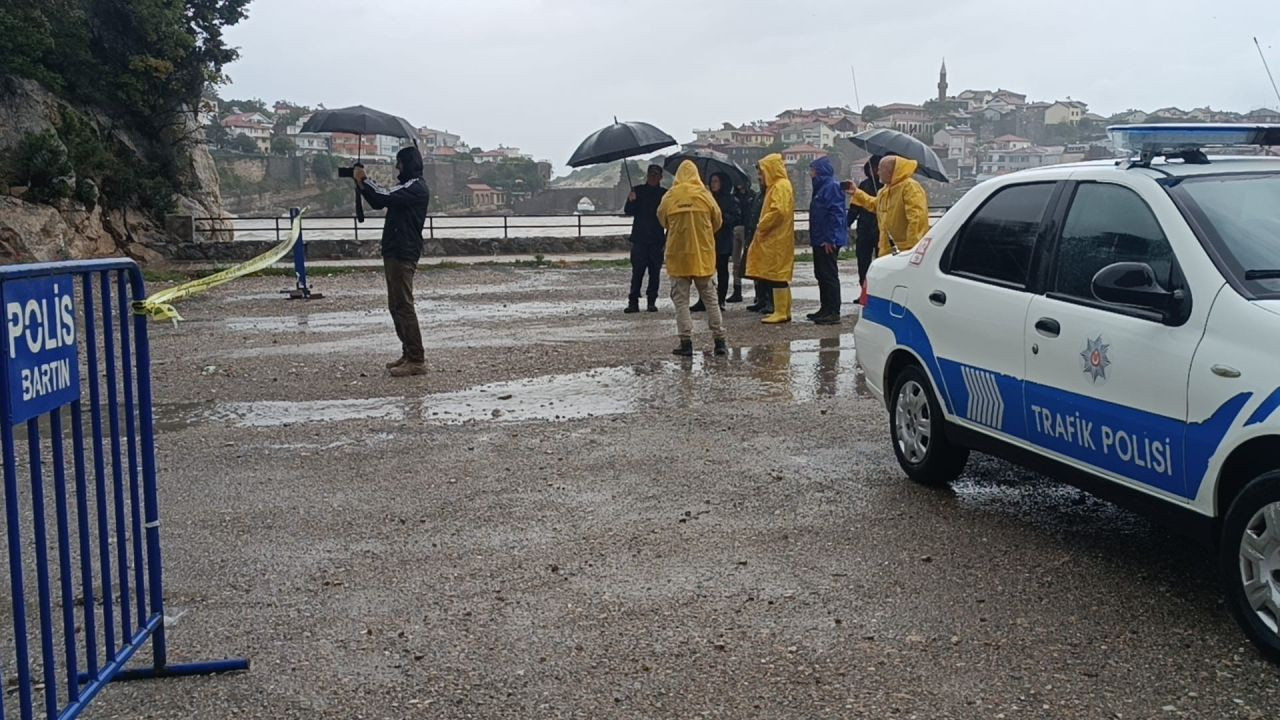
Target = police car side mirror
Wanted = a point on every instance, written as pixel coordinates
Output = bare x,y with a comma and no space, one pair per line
1135,283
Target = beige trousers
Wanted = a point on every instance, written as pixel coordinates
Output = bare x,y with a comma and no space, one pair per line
680,291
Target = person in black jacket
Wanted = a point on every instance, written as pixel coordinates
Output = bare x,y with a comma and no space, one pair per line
406,206
648,239
721,188
868,227
746,198
763,301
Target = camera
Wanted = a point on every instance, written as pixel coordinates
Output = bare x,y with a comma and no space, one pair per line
346,172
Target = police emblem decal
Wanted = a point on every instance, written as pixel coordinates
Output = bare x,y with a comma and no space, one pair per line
1094,361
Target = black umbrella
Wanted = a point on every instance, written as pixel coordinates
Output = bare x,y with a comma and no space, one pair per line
619,141
709,162
360,121
883,141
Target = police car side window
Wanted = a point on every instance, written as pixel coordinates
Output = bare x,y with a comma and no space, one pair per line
1108,224
997,242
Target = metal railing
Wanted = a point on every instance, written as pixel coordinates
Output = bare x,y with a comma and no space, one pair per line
492,227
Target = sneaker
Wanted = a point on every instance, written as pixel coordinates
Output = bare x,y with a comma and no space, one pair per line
736,297
408,369
816,315
397,363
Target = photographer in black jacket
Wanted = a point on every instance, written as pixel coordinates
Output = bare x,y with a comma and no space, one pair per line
406,206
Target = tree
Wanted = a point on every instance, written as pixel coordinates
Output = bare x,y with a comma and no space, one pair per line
872,112
244,144
215,134
283,146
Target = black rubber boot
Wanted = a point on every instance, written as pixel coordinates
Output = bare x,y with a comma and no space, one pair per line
736,297
722,347
685,349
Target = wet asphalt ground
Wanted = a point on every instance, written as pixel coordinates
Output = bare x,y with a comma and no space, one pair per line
561,520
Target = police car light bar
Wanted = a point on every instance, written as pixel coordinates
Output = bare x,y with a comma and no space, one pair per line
1189,139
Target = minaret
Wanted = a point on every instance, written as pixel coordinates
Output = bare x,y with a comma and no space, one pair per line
942,82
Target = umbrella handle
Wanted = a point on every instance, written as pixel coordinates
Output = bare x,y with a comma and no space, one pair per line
359,207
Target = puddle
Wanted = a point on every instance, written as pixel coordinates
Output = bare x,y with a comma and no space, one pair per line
276,413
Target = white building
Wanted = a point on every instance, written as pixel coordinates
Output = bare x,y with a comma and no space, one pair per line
961,144
816,134
431,139
254,125
311,143
1001,162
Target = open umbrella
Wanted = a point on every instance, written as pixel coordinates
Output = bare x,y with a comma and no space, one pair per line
619,141
709,162
360,121
883,141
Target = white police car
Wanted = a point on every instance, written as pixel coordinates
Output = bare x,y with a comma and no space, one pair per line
1112,324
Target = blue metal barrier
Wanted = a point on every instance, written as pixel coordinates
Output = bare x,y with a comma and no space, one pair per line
111,494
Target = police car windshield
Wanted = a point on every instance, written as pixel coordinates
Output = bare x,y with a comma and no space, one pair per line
1243,214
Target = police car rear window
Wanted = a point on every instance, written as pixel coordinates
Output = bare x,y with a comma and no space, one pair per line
1108,224
997,241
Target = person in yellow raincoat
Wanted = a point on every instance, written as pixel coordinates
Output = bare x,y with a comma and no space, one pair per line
691,217
901,207
772,257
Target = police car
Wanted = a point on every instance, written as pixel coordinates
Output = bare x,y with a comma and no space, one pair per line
1113,324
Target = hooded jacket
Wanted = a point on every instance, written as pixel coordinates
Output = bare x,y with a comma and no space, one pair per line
827,209
730,214
772,257
691,217
406,206
901,208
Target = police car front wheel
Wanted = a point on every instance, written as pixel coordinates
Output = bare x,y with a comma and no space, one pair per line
918,430
1250,561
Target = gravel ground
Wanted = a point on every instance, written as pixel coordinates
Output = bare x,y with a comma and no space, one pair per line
562,521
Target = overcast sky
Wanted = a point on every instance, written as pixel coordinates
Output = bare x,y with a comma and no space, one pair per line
542,74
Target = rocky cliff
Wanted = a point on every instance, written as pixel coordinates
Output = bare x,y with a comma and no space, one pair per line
71,229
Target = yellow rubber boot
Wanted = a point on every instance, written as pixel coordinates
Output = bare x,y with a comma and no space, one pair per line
781,307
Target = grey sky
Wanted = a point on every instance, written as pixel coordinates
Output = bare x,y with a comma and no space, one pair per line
542,74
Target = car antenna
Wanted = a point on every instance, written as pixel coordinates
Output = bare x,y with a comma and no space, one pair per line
1266,67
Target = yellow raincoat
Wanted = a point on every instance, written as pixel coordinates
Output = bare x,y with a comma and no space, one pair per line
901,208
772,256
691,217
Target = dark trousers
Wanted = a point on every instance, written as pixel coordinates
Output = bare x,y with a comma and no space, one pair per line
722,277
827,271
400,301
645,257
866,250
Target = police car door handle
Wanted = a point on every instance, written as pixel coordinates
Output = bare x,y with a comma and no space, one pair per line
1048,327
1225,371
937,297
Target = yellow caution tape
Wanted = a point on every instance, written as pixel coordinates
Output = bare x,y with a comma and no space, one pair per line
160,305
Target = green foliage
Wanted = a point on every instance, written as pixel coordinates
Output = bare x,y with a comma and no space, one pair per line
244,144
216,135
38,161
246,106
872,112
145,62
283,146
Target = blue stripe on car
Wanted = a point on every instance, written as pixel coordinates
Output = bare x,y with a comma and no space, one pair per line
1155,450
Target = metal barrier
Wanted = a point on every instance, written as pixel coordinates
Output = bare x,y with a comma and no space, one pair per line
100,572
